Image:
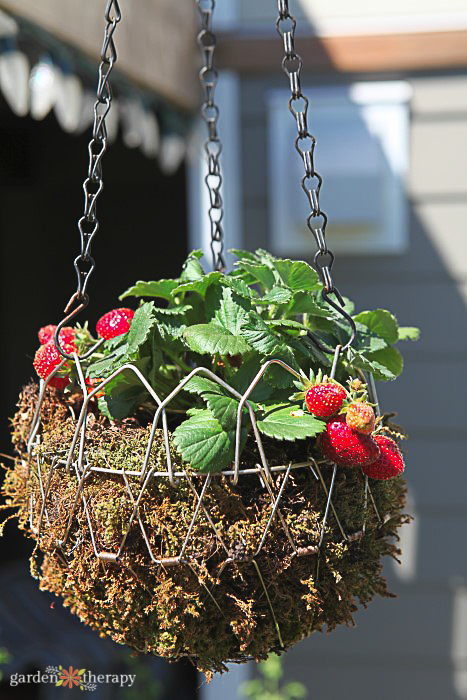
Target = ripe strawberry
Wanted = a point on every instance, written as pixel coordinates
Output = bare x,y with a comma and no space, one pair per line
345,446
66,336
115,322
360,417
325,399
46,359
390,461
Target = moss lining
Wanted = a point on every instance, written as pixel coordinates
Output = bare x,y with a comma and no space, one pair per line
208,610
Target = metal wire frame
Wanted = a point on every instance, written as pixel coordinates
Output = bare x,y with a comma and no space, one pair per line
75,458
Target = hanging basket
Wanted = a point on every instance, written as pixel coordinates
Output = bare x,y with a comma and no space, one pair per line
235,554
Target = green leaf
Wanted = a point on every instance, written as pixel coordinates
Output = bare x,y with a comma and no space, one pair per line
122,396
142,322
223,407
245,374
239,286
286,323
408,333
81,671
279,423
262,273
203,443
390,358
211,338
231,314
381,322
307,303
258,335
378,370
161,289
199,285
297,275
58,683
277,375
242,254
192,269
277,295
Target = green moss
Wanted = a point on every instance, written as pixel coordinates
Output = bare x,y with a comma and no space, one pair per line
215,607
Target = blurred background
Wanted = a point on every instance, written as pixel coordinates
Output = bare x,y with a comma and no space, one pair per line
387,84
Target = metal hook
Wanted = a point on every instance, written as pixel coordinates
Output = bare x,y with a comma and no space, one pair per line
84,301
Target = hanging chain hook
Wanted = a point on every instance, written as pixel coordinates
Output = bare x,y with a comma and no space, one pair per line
209,77
93,185
311,182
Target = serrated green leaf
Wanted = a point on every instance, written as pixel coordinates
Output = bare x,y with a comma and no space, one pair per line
231,314
307,303
199,285
408,333
199,385
389,358
297,275
105,366
260,272
258,334
180,310
378,370
162,289
242,254
277,295
278,422
122,396
211,338
245,374
278,376
223,407
203,443
239,286
142,322
286,323
381,322
192,269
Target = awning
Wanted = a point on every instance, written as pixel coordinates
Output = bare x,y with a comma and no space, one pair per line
155,39
49,57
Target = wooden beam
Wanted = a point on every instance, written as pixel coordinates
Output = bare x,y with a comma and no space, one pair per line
348,54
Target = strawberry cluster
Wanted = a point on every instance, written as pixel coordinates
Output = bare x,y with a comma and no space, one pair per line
350,439
48,358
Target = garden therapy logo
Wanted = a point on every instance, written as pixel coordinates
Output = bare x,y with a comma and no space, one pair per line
73,678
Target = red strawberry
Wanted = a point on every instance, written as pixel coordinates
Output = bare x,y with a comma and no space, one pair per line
360,417
115,322
66,336
390,462
325,399
346,447
46,359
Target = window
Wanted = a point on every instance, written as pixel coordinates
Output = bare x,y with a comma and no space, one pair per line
362,155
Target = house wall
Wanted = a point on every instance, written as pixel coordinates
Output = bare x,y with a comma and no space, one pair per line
414,646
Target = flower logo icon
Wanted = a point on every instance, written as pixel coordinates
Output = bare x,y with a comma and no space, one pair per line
71,677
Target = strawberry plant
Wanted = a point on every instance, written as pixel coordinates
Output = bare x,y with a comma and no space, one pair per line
232,324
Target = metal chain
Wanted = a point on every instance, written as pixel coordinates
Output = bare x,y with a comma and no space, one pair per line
305,145
208,77
88,224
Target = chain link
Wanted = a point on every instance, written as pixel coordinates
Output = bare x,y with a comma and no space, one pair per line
88,224
208,77
305,145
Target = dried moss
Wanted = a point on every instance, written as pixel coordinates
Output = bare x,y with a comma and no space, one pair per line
208,610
